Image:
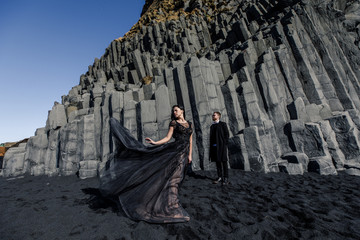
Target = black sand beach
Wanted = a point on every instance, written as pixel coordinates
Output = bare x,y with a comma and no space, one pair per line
254,206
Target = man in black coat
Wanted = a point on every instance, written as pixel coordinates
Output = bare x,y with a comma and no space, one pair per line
219,136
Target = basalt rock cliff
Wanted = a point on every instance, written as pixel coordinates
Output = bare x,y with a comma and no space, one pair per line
283,73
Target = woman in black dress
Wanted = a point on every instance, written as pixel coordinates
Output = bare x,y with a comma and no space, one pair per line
145,179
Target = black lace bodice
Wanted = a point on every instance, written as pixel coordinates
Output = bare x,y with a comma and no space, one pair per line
182,132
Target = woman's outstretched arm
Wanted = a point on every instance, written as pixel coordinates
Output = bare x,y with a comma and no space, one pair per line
164,140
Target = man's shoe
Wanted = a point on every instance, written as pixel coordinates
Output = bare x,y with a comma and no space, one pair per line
217,180
225,182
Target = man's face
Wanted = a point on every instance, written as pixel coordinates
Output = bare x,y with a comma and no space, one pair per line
215,117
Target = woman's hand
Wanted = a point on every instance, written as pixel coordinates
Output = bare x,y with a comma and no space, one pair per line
190,158
149,140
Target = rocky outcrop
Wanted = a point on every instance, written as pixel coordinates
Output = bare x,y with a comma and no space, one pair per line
284,74
13,162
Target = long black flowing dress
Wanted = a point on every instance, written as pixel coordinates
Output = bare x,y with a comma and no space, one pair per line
145,179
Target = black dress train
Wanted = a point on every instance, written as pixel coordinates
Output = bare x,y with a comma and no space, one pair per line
145,179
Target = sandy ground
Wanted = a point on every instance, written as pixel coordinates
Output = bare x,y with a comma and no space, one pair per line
253,206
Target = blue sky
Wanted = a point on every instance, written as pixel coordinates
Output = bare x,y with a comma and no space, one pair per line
45,45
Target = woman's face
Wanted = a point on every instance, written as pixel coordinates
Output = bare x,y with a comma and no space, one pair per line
177,112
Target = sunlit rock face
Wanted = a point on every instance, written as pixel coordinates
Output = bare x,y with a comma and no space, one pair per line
284,74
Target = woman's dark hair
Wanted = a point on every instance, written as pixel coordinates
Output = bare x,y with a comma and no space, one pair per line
172,111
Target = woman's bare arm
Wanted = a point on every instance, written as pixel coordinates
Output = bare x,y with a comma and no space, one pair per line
190,150
164,140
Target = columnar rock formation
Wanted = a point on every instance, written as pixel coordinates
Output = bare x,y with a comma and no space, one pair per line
283,73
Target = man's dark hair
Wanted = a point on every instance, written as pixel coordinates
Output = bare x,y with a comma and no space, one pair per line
218,113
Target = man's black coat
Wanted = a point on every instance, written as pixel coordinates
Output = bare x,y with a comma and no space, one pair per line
222,138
